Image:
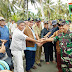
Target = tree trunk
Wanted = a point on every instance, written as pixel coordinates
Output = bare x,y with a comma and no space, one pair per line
41,4
24,9
27,9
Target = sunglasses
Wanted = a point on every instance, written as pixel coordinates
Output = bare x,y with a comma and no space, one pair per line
2,20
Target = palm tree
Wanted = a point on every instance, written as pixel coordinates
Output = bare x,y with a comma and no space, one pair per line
47,8
6,8
42,11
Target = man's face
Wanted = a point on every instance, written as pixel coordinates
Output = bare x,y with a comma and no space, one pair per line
21,26
2,22
13,22
60,27
38,23
65,27
46,26
26,22
30,24
9,20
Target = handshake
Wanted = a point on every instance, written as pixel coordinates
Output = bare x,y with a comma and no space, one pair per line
41,41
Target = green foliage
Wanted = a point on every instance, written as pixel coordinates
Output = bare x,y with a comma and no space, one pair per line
9,10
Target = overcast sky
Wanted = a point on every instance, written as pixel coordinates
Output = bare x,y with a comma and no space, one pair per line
32,7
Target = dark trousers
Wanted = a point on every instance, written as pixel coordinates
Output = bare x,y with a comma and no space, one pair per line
55,51
30,59
48,49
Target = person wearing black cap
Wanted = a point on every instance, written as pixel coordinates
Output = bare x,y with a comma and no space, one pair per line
18,44
65,44
47,46
37,29
30,46
54,29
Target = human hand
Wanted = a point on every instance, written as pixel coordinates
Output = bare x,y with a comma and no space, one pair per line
40,42
5,71
3,41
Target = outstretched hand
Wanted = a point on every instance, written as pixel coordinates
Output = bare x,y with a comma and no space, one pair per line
40,42
3,41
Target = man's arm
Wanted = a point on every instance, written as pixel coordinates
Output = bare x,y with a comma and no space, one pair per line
37,37
33,40
30,39
45,40
47,34
54,34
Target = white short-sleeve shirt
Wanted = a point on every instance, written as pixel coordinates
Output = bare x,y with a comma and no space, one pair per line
18,41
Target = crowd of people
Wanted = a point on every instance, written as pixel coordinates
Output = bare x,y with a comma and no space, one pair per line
31,37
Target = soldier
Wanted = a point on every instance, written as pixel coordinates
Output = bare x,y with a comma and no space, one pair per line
65,47
37,29
57,46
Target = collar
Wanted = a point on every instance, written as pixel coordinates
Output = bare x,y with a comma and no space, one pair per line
30,28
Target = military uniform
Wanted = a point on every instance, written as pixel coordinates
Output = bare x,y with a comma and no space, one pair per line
66,50
37,30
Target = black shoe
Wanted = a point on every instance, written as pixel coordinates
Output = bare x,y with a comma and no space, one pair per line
34,67
41,60
39,64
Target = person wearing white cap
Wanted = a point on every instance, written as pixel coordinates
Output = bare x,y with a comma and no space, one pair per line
4,34
1,18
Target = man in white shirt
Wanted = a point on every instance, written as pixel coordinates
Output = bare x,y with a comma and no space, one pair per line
12,26
18,45
42,23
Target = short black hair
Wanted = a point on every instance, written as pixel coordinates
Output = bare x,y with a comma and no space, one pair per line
20,21
58,24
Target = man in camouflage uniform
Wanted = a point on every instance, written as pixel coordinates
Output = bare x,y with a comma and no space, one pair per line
65,42
57,46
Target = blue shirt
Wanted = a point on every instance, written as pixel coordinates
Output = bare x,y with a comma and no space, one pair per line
4,34
32,48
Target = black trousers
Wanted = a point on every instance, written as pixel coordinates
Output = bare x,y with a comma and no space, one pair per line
48,49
